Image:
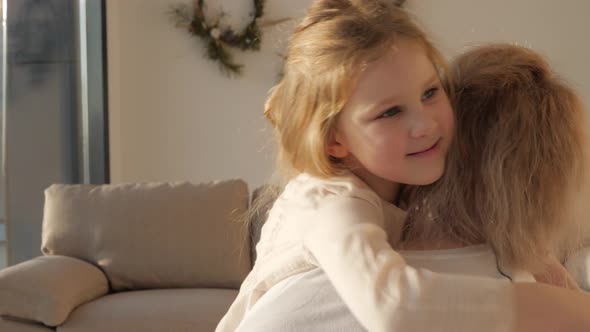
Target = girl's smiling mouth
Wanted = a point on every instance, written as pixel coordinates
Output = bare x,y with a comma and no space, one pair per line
432,149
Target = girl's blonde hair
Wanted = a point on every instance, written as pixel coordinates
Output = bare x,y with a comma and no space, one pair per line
325,56
518,160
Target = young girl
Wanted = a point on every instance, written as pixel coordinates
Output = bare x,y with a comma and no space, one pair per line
360,110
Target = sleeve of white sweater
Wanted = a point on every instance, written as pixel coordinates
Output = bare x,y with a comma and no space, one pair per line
384,293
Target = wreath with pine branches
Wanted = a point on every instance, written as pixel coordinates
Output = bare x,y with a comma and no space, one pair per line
192,19
216,39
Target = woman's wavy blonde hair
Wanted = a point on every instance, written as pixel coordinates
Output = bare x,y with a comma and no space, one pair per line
517,167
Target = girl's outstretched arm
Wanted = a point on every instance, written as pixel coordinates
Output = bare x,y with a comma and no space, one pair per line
542,307
557,275
385,294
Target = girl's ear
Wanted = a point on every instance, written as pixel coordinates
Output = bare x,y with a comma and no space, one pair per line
336,148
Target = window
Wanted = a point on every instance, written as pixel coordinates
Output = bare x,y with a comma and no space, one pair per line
54,110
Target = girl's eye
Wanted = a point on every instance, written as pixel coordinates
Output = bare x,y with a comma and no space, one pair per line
390,112
430,93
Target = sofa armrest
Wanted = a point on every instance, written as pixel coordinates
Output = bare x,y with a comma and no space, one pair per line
578,265
46,289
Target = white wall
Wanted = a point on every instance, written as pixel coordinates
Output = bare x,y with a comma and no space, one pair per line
174,117
558,29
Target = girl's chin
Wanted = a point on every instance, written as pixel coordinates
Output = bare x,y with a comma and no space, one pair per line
426,178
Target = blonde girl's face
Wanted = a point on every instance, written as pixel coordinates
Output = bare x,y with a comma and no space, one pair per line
398,122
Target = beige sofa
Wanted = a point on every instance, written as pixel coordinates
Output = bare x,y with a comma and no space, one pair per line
140,257
132,257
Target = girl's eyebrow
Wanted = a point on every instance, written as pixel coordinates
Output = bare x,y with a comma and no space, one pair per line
433,79
389,100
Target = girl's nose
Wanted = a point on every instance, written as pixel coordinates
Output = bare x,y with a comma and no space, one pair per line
423,124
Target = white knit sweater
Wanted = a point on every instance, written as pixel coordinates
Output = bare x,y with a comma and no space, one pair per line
340,225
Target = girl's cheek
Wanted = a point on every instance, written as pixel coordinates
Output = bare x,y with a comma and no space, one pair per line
449,118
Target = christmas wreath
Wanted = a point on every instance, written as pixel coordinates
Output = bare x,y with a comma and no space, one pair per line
217,39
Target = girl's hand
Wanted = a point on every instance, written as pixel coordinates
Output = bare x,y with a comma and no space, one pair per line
557,275
544,308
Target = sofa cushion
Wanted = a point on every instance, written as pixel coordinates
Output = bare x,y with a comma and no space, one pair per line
152,235
46,289
10,325
263,199
176,310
